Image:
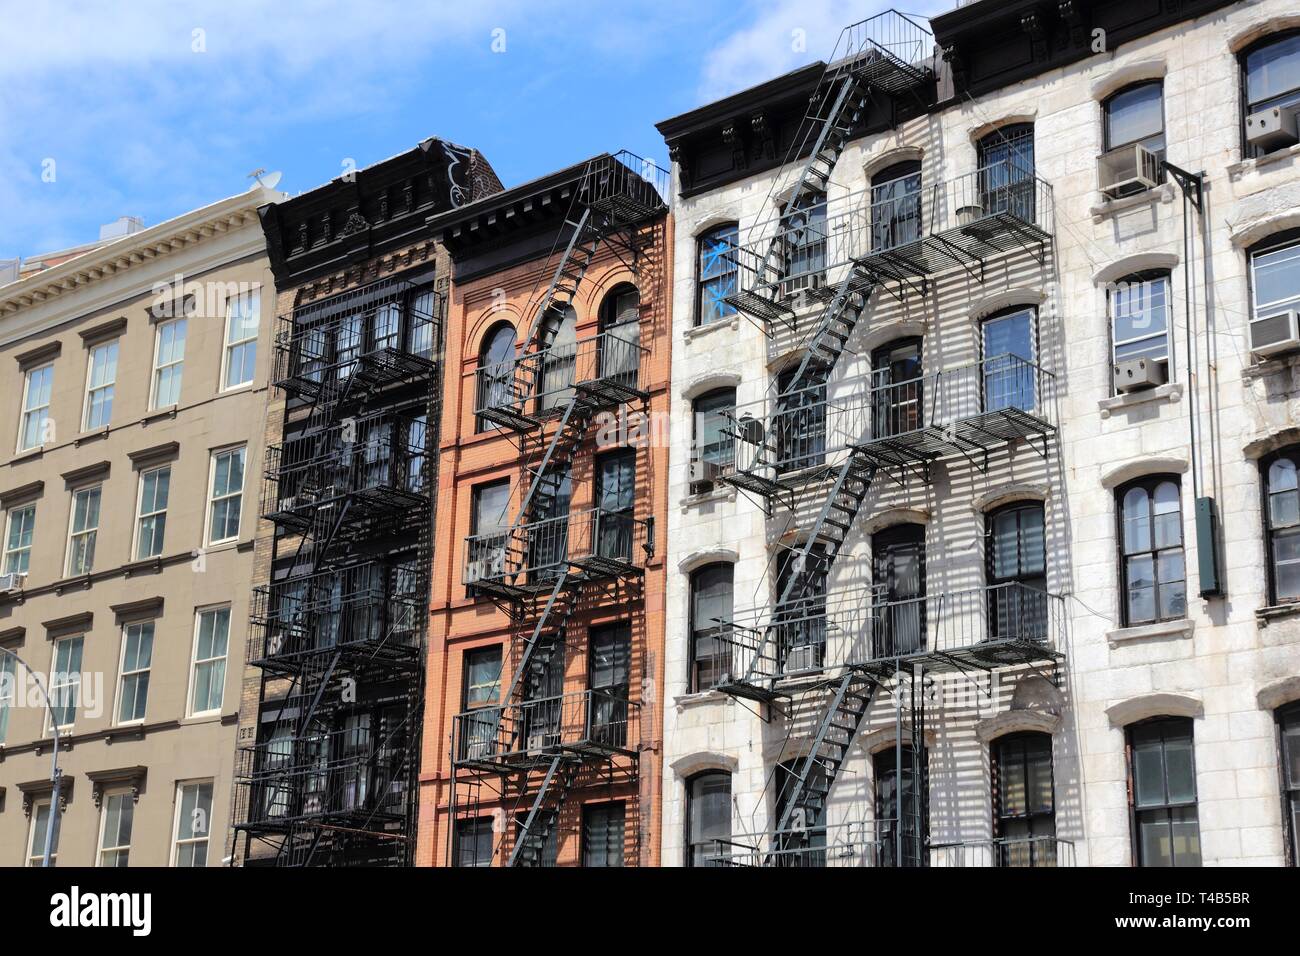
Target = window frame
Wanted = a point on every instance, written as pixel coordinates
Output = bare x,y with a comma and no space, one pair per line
179,802
690,784
121,848
1131,768
1281,36
1290,453
109,386
213,457
1278,242
1148,483
91,532
997,765
158,367
195,662
609,807
228,347
6,552
1144,277
482,827
25,412
702,282
467,685
141,516
694,685
123,673
8,691
1107,145
56,685
724,458
1290,794
33,859
486,385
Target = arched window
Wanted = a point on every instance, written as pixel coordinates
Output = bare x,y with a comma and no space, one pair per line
712,603
896,388
1016,570
1282,524
1270,79
496,371
1288,727
718,270
620,340
896,205
1152,574
1162,789
1006,164
1136,115
714,453
559,361
1024,808
708,817
1140,319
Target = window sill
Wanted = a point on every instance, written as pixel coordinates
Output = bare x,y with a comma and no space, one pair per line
682,701
1129,635
723,493
159,414
85,438
1246,167
1261,368
1169,392
699,331
1110,207
27,454
1277,612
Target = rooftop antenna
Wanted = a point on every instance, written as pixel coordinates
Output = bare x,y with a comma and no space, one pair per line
265,179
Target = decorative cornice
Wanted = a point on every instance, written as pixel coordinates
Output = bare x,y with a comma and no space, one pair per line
21,494
39,355
79,622
102,332
154,455
101,780
86,473
143,609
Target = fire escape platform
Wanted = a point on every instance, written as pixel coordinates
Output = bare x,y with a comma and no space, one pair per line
975,434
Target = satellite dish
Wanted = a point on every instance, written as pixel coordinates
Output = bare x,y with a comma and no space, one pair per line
265,179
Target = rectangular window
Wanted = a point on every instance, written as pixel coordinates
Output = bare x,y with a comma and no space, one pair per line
711,614
36,422
718,272
8,691
474,842
489,521
19,528
225,495
152,511
83,530
101,378
1024,801
168,363
482,677
602,834
36,836
65,681
208,680
1162,775
1152,567
1010,376
1288,725
1140,318
193,824
542,842
115,829
1275,280
133,684
242,320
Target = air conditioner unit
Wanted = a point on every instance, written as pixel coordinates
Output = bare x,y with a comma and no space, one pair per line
1128,170
480,569
12,582
1273,334
1272,128
539,743
312,803
802,658
1135,374
704,472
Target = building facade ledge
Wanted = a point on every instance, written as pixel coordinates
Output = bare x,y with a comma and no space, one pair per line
1161,629
1276,612
1170,392
1109,207
1153,705
1016,721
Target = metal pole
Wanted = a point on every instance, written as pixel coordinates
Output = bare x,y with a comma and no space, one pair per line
55,773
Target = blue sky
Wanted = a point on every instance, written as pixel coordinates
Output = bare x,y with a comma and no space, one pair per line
152,108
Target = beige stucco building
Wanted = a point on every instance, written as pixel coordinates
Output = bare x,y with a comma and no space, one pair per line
134,394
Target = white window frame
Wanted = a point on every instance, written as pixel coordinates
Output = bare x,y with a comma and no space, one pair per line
7,553
55,685
36,823
212,499
179,800
8,691
195,662
73,533
159,367
123,673
1266,309
110,795
141,514
25,413
228,347
109,385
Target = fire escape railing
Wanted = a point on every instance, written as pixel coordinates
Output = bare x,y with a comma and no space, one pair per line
587,723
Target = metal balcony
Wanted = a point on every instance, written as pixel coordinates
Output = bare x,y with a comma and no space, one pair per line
602,371
789,440
372,610
588,724
625,188
767,652
956,224
593,544
375,465
370,337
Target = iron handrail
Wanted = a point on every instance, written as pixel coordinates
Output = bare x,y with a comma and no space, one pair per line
544,378
551,545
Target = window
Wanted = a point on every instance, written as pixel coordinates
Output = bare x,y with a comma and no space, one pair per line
1282,525
1271,76
1024,804
36,835
489,522
84,530
711,613
896,206
1136,114
802,840
1140,320
898,583
152,511
116,818
1006,171
101,379
805,232
897,388
620,341
602,834
474,842
718,272
133,684
208,679
546,850
799,609
423,306
899,824
65,681
37,427
8,691
20,527
1009,373
193,824
242,320
1275,275
482,676
1016,572
225,495
715,452
1153,578
615,498
559,362
800,420
168,363
708,817
609,677
1288,726
1162,784
496,372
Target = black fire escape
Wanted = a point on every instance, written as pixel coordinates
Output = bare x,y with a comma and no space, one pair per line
338,632
537,742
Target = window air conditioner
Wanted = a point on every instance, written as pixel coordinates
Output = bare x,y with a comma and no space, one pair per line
1271,335
1136,374
704,472
801,658
1272,128
12,582
481,569
1127,171
539,743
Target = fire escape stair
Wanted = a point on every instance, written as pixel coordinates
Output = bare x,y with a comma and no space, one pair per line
536,829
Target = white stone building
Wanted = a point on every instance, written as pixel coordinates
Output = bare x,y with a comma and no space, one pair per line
1155,670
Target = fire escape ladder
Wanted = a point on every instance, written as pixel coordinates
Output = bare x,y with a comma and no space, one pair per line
547,633
827,341
530,840
569,273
